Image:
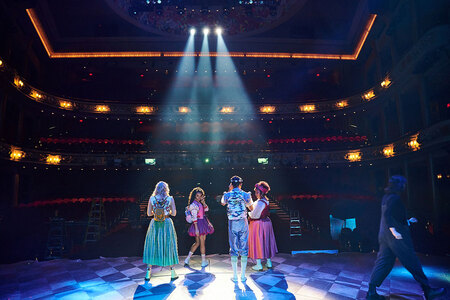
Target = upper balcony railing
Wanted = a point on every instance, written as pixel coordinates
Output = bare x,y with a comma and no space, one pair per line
435,136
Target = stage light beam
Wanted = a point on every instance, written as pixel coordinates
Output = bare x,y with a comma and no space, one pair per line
206,31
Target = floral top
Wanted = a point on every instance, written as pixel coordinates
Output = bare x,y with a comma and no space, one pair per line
157,202
197,210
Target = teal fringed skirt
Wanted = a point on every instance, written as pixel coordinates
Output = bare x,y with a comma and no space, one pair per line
161,247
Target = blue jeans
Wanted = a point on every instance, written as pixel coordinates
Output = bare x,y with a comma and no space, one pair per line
238,237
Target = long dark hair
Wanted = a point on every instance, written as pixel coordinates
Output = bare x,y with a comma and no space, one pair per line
194,192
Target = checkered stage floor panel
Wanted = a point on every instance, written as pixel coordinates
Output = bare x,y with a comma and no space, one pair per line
303,276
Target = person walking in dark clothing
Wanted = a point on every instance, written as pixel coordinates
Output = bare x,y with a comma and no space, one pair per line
395,241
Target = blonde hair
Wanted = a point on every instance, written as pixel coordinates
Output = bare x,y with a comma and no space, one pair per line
161,189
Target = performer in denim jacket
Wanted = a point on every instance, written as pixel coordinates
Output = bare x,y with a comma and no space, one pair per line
237,201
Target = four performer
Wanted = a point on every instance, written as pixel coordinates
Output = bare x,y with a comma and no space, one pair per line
257,241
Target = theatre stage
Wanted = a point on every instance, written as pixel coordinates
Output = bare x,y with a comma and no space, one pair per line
303,276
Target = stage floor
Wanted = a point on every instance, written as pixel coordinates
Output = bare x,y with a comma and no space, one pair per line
303,276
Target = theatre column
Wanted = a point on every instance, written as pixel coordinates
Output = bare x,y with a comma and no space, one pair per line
434,193
19,137
3,100
424,102
408,186
400,117
16,185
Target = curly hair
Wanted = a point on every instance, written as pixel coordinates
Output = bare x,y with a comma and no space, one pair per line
194,192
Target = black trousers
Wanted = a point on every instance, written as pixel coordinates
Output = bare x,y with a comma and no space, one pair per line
390,249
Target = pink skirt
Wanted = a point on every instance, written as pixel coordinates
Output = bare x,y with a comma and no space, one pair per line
261,240
204,227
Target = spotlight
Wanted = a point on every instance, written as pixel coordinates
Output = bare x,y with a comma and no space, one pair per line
219,31
206,31
192,31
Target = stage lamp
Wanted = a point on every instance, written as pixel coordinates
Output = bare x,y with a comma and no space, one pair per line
414,144
342,104
353,156
219,30
388,151
267,109
386,83
192,31
53,159
1,63
34,94
206,31
65,104
183,109
17,154
227,110
102,108
145,109
18,82
369,95
308,108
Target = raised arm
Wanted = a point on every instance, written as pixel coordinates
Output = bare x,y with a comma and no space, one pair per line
223,201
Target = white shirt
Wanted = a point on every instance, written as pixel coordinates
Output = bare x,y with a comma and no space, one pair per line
258,207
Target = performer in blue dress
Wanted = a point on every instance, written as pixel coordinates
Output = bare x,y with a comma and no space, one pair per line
161,247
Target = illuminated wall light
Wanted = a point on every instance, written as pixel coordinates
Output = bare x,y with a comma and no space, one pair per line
183,109
386,83
145,109
18,82
1,63
53,159
267,109
342,104
353,156
369,95
439,176
34,94
227,110
414,144
388,151
307,108
65,104
16,154
101,108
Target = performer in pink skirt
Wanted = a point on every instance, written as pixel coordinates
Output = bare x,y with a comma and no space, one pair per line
200,226
261,241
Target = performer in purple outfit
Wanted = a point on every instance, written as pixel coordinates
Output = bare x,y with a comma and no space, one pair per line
201,226
261,242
